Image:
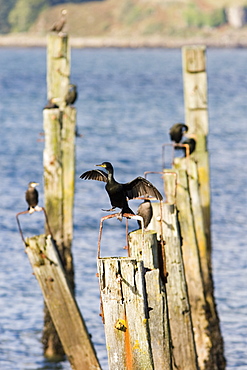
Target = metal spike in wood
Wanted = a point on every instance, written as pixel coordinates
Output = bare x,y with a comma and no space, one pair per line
62,306
125,312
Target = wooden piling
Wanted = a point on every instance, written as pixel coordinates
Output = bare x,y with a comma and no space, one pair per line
62,306
181,329
193,272
125,313
196,113
58,67
196,117
144,247
59,167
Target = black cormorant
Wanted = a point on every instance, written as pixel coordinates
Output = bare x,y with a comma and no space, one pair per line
192,144
145,210
176,132
32,196
118,193
71,95
58,26
51,105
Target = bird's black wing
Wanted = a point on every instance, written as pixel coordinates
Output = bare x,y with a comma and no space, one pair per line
98,175
141,187
32,197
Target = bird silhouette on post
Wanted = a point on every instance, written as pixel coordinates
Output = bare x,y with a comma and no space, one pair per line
177,131
192,145
32,197
119,194
71,95
58,25
145,210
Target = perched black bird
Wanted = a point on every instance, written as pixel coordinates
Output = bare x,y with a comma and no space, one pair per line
71,95
58,26
51,105
192,145
176,132
145,210
32,196
118,193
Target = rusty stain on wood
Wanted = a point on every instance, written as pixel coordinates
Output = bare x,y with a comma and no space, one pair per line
124,304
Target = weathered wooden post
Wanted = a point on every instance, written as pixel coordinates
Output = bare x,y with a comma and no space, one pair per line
58,67
134,308
144,247
193,273
125,313
196,113
59,167
165,222
60,301
196,117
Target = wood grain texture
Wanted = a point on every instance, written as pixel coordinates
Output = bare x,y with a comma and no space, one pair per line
125,313
62,306
181,329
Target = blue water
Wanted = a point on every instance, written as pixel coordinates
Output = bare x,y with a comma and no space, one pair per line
128,99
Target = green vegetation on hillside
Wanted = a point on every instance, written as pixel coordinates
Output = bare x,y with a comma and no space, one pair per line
194,16
19,15
115,18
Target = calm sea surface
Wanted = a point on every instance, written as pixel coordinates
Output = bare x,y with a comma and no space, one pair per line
128,99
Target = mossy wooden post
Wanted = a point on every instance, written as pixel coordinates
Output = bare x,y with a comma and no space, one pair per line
196,117
58,67
196,113
181,328
62,306
125,313
59,168
145,248
193,272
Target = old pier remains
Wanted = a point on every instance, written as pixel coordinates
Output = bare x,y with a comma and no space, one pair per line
157,303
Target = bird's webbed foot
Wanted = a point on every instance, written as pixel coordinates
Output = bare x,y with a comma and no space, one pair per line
38,208
120,216
109,210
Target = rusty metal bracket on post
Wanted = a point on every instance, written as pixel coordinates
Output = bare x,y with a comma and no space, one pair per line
186,146
127,215
42,209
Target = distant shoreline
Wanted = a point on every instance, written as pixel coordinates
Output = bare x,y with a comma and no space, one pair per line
225,41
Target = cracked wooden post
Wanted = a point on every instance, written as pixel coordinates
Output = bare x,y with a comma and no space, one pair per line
59,168
58,67
125,313
144,247
181,328
196,114
60,301
196,117
193,271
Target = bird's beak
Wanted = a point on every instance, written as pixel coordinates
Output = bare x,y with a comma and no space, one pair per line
100,165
